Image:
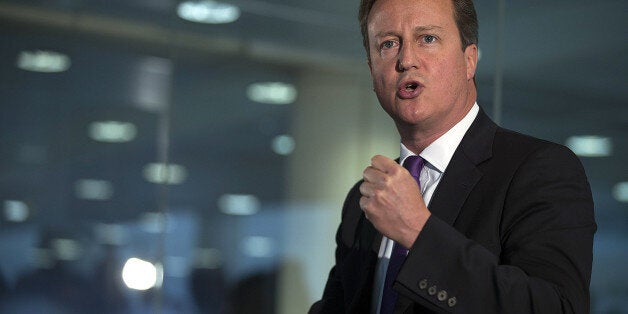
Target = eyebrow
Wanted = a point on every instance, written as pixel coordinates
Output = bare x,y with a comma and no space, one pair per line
427,28
418,29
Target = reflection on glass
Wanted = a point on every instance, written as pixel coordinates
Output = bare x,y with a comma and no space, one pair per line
95,190
257,246
43,61
590,146
273,93
239,204
165,174
151,84
112,131
154,223
16,211
283,145
208,11
66,249
620,192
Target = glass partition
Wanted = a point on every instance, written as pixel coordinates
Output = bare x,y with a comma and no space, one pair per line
156,163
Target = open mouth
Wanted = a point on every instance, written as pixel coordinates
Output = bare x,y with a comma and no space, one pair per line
409,89
411,86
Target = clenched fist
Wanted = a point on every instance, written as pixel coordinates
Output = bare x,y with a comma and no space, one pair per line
392,201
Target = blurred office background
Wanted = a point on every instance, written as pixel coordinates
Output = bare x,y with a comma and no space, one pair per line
162,156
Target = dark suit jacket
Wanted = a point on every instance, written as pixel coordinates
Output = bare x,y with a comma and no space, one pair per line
511,231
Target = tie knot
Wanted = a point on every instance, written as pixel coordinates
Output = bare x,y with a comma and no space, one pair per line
414,164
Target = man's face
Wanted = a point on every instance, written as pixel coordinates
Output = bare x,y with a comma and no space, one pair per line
421,75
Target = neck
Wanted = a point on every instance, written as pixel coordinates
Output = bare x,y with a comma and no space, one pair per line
417,137
418,141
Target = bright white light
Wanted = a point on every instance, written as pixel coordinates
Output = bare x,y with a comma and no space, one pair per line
590,146
95,190
620,192
141,275
165,174
274,93
112,131
283,145
208,11
66,249
258,246
16,211
43,61
208,258
239,204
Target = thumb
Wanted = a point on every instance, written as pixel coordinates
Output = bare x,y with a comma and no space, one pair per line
384,164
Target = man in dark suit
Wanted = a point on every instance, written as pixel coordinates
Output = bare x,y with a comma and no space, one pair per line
487,220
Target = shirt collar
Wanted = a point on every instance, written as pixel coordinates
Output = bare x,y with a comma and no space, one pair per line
439,153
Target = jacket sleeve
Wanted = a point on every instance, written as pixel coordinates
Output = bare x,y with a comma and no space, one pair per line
340,286
544,263
333,295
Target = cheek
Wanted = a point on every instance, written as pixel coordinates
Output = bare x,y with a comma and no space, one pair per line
450,71
380,81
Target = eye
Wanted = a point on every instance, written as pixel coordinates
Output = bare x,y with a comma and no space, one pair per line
388,44
428,39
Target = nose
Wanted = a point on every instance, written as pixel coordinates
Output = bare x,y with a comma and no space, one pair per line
407,58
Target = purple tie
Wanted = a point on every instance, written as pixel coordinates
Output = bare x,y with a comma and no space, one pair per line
414,164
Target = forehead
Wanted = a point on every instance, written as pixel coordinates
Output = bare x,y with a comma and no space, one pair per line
396,13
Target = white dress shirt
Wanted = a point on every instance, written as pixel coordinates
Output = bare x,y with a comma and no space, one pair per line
437,156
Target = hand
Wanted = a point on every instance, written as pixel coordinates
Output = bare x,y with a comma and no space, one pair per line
392,201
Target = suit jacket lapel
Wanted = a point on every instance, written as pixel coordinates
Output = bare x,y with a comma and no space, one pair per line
459,179
462,173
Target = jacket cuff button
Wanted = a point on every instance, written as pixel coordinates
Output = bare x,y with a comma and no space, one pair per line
431,290
442,295
452,302
423,284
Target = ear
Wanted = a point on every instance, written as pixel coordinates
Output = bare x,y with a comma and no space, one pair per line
471,58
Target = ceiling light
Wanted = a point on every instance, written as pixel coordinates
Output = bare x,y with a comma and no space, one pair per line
16,211
590,145
239,204
258,246
283,145
43,61
620,192
112,131
165,173
208,11
274,93
94,190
